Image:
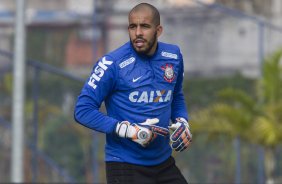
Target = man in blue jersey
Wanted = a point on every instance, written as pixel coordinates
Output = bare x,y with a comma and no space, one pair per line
141,85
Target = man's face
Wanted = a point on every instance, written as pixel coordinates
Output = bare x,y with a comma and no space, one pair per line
143,32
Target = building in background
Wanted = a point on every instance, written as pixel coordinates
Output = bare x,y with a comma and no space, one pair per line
212,42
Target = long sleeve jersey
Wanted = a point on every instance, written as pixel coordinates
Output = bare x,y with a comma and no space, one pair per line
134,88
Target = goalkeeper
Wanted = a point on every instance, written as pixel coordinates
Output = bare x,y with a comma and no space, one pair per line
141,85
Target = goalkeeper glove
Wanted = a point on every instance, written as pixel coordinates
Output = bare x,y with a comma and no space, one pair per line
143,133
181,136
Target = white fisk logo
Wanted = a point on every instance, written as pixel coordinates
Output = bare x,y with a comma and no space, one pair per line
99,71
134,80
150,96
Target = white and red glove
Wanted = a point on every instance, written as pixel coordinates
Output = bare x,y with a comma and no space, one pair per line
142,133
181,136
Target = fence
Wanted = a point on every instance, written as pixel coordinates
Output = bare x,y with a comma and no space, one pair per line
46,103
215,40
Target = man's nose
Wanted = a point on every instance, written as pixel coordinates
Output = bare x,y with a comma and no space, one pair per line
139,31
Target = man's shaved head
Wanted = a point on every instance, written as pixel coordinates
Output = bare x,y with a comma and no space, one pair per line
145,6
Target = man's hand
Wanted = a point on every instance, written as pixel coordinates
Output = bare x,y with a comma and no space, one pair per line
143,134
181,136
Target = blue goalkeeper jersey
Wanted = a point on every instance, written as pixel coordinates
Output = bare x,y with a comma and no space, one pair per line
134,88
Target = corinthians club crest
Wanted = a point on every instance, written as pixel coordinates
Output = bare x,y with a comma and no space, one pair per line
168,72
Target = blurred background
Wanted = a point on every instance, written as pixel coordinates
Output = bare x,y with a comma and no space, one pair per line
233,86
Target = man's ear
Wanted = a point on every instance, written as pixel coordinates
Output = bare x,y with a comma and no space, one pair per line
159,30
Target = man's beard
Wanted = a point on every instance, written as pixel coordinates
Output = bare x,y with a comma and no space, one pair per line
150,46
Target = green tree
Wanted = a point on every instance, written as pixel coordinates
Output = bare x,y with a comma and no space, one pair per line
62,145
241,116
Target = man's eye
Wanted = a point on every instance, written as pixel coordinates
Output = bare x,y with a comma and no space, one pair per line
146,26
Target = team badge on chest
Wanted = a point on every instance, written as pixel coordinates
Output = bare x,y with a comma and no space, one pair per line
169,75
